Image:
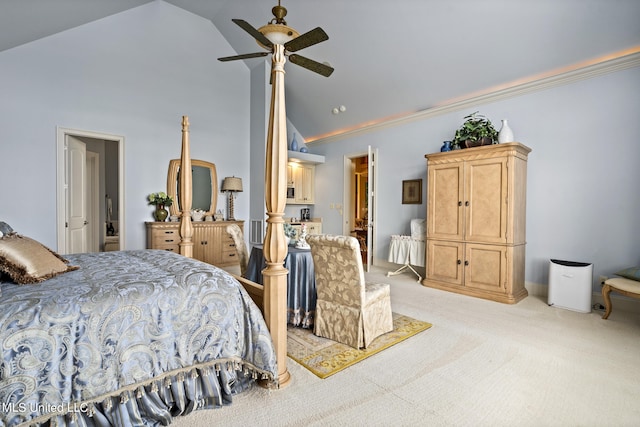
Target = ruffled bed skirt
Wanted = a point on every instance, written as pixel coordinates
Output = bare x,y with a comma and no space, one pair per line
156,402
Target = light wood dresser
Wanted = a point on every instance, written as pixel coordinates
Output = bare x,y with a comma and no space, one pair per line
476,217
211,242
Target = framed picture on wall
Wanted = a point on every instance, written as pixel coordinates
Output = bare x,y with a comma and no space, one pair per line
412,192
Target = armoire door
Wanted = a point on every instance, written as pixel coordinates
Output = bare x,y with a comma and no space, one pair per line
445,207
485,200
445,261
485,267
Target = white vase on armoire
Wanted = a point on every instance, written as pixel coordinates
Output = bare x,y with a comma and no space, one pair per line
505,134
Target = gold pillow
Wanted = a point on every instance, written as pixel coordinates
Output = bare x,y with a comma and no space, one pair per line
28,261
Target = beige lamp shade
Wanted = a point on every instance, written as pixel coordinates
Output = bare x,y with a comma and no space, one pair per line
231,183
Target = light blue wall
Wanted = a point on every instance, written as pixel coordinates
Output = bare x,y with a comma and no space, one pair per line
583,174
127,75
133,74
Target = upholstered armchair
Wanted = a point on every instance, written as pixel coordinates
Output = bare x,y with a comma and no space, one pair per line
348,310
241,249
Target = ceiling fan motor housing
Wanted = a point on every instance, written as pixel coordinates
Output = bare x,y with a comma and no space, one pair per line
277,34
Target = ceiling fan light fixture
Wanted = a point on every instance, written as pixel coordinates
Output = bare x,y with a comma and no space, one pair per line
278,33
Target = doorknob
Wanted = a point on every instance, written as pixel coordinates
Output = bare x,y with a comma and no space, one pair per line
86,222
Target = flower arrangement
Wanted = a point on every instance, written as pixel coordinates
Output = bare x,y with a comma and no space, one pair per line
160,198
289,231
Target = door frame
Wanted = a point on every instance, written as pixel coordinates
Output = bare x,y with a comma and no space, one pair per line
61,185
93,202
347,201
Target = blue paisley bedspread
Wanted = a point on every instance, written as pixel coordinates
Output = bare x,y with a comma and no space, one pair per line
130,338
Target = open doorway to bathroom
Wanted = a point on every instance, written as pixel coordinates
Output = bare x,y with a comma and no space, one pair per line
90,192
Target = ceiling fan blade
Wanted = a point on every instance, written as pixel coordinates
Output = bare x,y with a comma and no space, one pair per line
245,56
254,33
312,65
307,39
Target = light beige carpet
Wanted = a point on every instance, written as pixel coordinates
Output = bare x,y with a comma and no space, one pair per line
482,364
325,357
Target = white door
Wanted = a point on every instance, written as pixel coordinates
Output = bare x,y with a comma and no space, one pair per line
371,203
77,193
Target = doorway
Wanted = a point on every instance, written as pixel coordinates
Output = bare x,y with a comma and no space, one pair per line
90,183
360,202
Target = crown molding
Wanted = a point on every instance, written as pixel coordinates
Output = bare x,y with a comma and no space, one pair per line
610,64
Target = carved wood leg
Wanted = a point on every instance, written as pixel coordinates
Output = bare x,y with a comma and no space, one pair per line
606,290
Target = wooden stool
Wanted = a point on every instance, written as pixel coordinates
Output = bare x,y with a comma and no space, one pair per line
630,288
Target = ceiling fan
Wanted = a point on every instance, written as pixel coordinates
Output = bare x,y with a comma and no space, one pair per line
277,32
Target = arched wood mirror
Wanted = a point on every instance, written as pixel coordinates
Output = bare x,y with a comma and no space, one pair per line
204,183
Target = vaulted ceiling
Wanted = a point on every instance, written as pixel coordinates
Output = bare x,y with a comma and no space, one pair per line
391,58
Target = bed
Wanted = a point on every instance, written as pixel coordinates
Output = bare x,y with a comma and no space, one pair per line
127,336
138,337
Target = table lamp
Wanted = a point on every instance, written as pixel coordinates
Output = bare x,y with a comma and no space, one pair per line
231,185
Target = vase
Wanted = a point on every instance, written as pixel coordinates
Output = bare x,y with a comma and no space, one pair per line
294,143
160,214
446,146
505,134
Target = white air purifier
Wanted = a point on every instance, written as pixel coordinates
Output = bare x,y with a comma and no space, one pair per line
570,285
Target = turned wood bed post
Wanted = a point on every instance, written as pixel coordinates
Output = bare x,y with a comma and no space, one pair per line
186,227
275,246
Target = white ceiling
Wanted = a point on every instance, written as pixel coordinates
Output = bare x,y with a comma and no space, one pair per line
391,57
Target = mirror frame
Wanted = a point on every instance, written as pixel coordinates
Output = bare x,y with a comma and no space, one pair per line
172,184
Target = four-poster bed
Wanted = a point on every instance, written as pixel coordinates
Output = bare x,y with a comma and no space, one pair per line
272,296
281,41
139,337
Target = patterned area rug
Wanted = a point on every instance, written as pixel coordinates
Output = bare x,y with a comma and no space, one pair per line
325,357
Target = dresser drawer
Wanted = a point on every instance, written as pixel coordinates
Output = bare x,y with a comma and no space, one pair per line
229,258
165,237
171,248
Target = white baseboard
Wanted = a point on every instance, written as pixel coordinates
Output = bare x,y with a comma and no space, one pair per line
619,302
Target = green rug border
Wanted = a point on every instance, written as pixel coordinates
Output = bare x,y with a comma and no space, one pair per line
360,355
